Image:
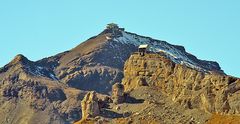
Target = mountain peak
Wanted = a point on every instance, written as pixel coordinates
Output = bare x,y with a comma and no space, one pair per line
19,58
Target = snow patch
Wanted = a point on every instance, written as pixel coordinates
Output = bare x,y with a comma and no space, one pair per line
53,76
171,52
41,72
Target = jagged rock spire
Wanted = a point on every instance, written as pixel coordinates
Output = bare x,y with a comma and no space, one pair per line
90,108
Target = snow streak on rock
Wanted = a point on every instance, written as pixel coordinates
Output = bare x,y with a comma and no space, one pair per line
176,55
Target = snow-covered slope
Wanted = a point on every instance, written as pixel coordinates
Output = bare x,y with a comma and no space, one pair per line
176,53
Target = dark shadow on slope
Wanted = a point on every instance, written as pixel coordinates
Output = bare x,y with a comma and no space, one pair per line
110,114
133,100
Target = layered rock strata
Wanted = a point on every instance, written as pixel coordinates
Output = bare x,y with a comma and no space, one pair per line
211,91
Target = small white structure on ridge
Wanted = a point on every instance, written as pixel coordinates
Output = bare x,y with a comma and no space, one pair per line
142,49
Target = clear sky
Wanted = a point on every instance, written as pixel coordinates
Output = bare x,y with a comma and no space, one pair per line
209,29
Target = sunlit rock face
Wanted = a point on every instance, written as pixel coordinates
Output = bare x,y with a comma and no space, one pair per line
90,108
210,91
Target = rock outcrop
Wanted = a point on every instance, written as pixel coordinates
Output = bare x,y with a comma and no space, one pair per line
211,91
118,93
90,107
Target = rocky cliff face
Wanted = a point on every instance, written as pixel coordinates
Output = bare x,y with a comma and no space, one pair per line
211,91
158,90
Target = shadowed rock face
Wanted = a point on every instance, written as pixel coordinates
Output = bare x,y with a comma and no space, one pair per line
212,92
118,93
93,65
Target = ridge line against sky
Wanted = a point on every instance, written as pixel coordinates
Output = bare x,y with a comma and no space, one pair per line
37,29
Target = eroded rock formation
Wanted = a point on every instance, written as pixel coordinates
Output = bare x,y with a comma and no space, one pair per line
210,91
90,108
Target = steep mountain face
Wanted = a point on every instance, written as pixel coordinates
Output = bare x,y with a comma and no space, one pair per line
93,65
97,63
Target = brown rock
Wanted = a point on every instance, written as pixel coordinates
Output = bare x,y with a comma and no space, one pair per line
118,93
191,88
90,108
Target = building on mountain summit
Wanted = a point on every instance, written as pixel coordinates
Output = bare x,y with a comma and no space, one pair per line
142,49
114,26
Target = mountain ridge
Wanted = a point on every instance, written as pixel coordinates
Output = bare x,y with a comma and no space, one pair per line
109,50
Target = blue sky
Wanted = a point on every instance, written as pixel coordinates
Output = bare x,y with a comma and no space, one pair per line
209,29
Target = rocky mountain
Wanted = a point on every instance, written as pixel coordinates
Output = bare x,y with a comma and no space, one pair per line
31,93
97,63
158,90
50,90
